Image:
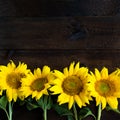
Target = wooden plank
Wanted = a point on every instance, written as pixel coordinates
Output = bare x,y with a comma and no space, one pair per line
60,33
57,59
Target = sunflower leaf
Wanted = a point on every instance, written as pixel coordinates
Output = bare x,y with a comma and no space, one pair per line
31,106
49,103
63,110
3,102
70,117
31,103
108,108
45,102
85,112
40,102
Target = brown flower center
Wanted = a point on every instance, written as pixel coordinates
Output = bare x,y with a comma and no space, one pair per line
72,85
38,84
105,87
13,80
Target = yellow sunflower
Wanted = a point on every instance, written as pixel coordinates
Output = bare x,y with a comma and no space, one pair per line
10,77
72,85
106,87
37,83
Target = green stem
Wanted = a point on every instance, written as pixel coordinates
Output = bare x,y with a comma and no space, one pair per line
75,111
45,113
99,112
6,113
10,111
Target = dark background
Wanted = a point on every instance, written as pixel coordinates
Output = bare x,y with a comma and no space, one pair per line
57,32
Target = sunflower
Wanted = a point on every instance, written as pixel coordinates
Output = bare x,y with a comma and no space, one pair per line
10,77
106,87
72,85
37,83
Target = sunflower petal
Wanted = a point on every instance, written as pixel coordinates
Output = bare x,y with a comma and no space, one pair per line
103,101
45,71
77,66
97,74
78,100
71,68
104,73
113,102
63,98
71,101
59,74
65,70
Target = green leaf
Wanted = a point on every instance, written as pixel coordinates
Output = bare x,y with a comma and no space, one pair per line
49,103
31,103
3,102
45,102
85,112
21,102
31,106
108,108
70,117
63,110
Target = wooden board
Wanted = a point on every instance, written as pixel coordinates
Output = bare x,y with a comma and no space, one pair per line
56,42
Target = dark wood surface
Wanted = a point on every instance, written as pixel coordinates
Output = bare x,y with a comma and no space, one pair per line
56,33
57,41
95,41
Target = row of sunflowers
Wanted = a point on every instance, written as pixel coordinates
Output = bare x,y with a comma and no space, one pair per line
69,91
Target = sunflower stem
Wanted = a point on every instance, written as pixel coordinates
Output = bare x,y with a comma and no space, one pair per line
99,112
75,112
45,113
10,110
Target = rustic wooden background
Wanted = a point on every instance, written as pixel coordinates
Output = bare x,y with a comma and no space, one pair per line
55,34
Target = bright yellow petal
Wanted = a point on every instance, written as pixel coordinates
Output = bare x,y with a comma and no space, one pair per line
63,98
11,64
78,100
84,98
45,71
59,74
37,72
15,95
71,68
39,95
97,74
57,82
77,66
65,70
55,89
98,100
104,73
9,94
71,101
34,94
103,101
113,102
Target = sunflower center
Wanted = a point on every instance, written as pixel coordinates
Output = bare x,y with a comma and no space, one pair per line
105,88
72,85
38,84
13,80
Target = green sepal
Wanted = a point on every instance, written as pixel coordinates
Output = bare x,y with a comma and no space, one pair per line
85,112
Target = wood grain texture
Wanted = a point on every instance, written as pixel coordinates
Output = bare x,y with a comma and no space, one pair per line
56,42
60,33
